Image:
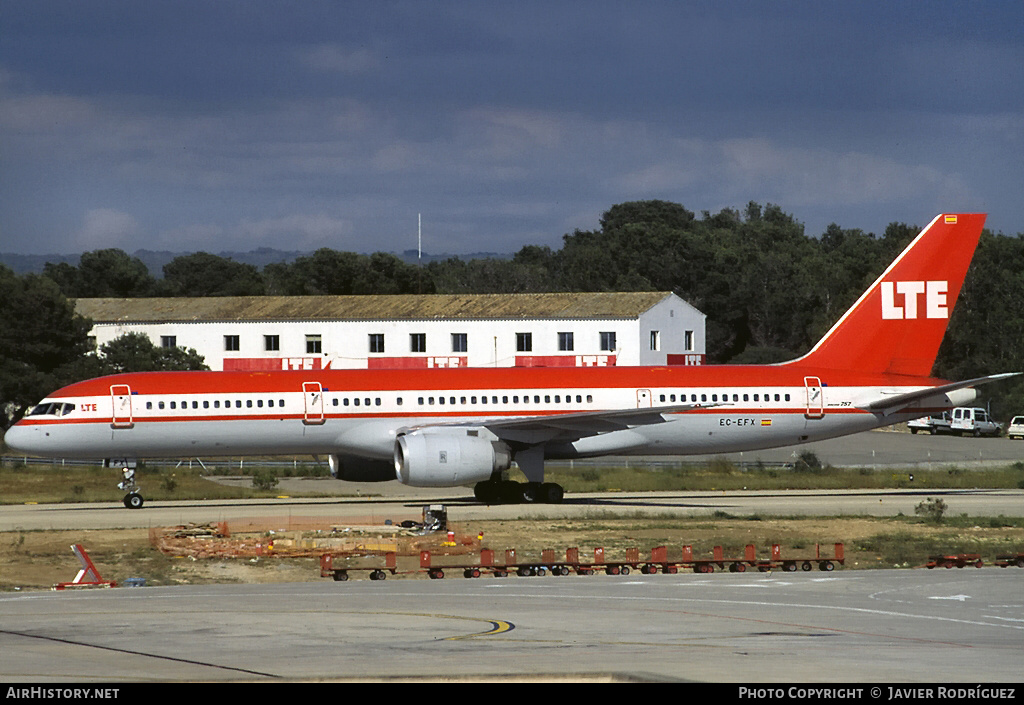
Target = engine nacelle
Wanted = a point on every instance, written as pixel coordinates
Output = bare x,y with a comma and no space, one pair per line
449,458
352,468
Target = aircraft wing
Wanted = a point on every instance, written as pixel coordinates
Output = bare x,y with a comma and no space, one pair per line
569,427
890,404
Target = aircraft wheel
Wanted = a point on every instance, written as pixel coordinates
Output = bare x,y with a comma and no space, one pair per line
530,492
509,492
133,500
551,493
488,492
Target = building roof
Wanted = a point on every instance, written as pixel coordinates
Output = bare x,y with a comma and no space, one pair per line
602,305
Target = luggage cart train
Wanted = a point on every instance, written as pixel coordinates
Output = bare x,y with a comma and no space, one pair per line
660,561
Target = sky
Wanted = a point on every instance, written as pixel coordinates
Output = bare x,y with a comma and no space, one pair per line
229,126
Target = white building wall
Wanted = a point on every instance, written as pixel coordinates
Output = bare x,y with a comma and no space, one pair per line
346,344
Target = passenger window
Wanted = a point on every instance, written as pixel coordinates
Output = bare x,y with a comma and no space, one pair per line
149,405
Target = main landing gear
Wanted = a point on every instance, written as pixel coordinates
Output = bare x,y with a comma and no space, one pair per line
511,492
133,499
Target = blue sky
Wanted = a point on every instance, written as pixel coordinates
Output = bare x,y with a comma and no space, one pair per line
234,125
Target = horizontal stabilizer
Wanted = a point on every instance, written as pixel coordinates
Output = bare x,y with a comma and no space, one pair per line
890,404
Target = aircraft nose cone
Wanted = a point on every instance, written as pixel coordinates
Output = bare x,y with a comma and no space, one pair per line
24,439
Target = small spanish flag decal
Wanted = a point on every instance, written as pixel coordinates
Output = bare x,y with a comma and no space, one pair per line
766,422
950,220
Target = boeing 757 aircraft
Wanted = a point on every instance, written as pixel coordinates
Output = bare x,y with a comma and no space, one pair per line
463,426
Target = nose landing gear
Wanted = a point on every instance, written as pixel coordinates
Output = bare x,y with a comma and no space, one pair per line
133,499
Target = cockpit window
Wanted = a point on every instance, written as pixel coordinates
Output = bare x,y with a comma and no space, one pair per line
52,409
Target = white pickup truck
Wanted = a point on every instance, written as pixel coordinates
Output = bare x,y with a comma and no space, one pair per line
936,423
974,421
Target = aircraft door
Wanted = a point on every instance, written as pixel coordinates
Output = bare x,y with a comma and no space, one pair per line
313,399
121,403
815,398
644,399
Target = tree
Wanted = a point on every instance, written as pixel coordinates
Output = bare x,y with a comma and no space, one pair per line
135,352
42,341
203,274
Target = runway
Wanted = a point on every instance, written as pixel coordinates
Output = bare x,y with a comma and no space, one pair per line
884,626
462,507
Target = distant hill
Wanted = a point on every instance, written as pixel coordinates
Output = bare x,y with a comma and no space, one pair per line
155,260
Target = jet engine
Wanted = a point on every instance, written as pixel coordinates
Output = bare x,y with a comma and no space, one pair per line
449,458
352,468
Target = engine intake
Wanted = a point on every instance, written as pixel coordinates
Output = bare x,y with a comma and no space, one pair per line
449,458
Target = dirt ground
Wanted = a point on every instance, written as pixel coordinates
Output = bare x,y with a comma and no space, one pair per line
35,560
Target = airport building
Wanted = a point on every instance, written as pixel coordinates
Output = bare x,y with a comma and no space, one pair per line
408,331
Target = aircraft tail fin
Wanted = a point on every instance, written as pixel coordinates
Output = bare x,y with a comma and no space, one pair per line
897,325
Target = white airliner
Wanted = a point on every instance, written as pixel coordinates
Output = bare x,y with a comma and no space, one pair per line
453,427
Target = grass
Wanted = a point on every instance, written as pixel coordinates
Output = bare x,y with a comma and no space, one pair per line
720,474
43,483
64,484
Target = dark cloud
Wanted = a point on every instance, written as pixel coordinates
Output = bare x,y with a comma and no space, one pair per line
176,125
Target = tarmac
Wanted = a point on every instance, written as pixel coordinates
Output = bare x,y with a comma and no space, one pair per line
872,627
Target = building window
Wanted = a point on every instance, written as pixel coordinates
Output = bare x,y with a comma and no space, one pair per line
459,343
565,343
166,341
688,341
313,345
608,342
524,342
272,343
655,340
376,342
231,343
418,342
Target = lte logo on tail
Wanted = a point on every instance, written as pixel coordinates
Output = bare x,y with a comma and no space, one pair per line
934,299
